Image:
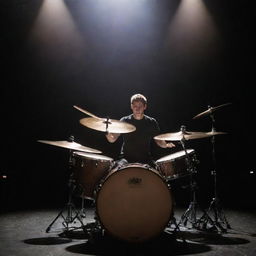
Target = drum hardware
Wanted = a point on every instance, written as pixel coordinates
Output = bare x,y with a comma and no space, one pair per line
190,215
220,222
105,124
72,213
189,162
173,222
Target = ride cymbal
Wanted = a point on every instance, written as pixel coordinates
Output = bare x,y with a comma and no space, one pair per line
107,125
210,110
70,145
186,135
181,135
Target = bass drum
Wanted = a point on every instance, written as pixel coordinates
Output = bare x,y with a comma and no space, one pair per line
134,203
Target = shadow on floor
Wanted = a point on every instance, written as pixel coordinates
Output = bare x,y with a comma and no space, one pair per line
211,238
165,244
47,241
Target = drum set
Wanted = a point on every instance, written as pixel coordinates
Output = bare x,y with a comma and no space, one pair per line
134,202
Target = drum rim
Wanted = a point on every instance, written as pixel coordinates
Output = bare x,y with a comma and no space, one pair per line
92,156
141,166
163,159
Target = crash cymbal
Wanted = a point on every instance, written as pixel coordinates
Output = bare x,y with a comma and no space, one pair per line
176,136
70,145
210,110
107,125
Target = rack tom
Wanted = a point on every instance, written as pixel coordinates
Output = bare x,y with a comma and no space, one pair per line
174,166
88,170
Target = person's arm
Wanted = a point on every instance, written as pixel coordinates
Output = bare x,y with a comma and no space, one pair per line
164,144
112,137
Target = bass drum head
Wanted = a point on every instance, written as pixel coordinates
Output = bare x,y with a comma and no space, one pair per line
134,204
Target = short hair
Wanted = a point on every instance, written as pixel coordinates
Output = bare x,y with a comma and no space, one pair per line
139,97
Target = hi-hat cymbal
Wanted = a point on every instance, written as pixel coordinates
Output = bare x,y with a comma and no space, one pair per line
210,110
107,125
70,145
182,135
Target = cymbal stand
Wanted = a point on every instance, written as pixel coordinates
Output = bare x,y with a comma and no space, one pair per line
72,213
190,215
191,212
219,219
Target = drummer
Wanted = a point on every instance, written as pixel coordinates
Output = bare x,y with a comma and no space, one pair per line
136,146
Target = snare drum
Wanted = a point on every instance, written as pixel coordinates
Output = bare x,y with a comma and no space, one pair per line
134,203
88,170
174,166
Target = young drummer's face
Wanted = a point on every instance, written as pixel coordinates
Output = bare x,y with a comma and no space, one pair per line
138,107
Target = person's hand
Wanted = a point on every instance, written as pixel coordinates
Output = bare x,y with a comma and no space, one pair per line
112,137
170,145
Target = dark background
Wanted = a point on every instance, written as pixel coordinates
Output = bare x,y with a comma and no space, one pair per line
111,56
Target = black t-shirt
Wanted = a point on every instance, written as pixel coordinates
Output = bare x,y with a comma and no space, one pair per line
136,147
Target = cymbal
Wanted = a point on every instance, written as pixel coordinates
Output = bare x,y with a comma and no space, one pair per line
210,110
213,133
176,136
70,145
107,125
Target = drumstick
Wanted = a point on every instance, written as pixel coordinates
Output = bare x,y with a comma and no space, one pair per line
86,112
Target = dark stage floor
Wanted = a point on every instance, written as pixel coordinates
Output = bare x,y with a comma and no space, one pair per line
24,233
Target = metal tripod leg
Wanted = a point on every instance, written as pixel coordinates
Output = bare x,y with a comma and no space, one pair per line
176,230
69,219
219,216
204,222
190,215
191,212
49,227
219,221
72,213
173,222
